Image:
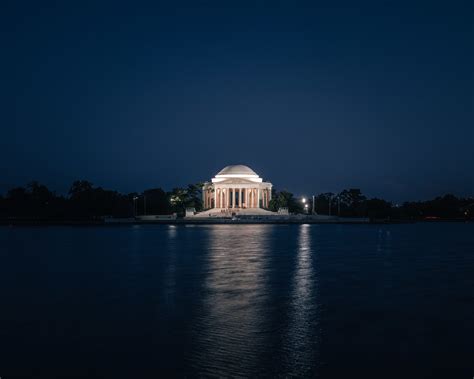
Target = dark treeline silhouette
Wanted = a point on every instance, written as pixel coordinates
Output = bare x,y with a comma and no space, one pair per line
352,203
84,201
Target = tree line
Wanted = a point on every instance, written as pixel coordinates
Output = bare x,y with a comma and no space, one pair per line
84,201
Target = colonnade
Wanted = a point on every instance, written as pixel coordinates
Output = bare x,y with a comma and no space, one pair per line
224,197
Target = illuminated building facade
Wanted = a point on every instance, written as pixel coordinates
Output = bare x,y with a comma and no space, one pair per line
236,186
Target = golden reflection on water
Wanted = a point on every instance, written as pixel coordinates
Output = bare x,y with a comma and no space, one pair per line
240,319
229,331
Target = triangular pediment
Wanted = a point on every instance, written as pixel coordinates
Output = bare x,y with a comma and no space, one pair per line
235,181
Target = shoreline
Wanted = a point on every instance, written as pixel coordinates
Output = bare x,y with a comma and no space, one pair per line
31,222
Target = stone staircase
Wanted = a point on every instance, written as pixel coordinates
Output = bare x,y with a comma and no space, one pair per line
230,212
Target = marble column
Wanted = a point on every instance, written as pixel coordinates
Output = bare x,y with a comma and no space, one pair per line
234,193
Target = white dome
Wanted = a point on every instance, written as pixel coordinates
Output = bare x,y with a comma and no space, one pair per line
236,170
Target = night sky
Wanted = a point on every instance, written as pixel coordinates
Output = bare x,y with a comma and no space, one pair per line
316,96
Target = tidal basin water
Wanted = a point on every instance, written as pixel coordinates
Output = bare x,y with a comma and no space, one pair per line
324,301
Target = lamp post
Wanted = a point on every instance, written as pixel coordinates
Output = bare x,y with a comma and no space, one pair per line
304,204
135,198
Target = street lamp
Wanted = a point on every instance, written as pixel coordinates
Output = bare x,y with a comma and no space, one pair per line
306,206
303,200
135,198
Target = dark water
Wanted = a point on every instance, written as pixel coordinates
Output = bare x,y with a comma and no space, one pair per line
330,301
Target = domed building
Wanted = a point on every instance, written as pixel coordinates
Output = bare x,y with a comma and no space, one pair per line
236,186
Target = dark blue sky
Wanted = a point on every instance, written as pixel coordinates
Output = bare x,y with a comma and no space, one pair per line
314,96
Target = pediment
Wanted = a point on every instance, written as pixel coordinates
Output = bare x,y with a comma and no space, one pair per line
235,181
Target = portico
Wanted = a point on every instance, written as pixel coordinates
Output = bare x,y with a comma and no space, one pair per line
236,186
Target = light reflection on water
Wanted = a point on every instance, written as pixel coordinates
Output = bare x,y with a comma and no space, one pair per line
242,318
170,271
303,339
229,331
238,300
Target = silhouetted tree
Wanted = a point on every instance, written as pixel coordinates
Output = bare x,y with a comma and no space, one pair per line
157,202
17,202
321,203
194,196
178,197
79,187
285,199
91,203
86,202
353,203
378,209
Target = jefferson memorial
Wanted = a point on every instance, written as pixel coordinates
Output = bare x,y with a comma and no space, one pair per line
236,187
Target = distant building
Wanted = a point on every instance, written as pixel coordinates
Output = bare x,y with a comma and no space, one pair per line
236,186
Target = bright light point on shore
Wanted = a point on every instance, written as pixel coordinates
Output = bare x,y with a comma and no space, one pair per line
304,199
